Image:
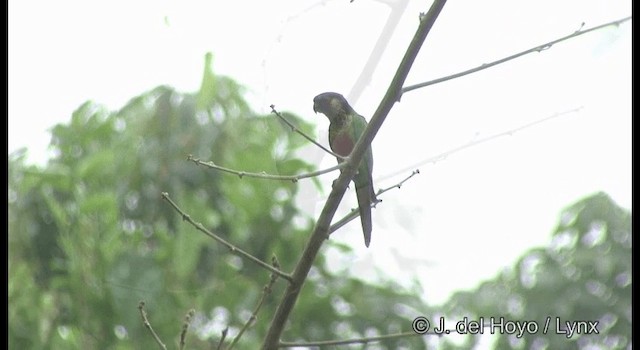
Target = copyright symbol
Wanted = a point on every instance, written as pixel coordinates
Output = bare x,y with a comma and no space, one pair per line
420,325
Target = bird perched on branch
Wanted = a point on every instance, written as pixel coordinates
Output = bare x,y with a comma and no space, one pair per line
345,128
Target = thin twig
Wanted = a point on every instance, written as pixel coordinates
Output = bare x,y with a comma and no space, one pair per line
266,290
399,184
295,129
147,324
355,213
263,175
185,328
321,229
538,48
233,249
222,338
443,155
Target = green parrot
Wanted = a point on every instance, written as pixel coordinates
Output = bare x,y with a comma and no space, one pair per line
345,128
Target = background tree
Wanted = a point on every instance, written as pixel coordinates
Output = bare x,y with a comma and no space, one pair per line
89,235
583,275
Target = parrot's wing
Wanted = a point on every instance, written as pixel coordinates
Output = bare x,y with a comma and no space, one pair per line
364,177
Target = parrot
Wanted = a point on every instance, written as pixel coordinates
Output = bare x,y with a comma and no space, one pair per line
345,128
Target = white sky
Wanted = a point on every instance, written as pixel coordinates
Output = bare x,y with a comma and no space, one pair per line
457,223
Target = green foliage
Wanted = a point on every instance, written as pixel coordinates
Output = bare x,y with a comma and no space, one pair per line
90,236
584,275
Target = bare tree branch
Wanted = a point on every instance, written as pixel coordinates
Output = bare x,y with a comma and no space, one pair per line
355,213
538,48
233,249
185,328
263,175
222,338
147,325
266,290
295,129
321,229
445,154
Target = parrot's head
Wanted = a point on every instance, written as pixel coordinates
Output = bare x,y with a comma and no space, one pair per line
331,104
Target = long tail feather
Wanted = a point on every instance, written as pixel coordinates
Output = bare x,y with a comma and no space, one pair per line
364,205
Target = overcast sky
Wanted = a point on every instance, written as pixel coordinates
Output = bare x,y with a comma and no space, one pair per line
460,221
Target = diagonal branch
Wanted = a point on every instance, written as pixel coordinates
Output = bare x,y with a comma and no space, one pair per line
147,324
538,48
321,230
295,129
233,249
355,213
223,336
185,328
266,290
445,154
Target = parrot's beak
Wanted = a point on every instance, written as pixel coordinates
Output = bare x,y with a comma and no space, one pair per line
314,109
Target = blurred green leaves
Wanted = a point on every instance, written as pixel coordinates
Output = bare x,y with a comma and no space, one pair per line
89,235
584,275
